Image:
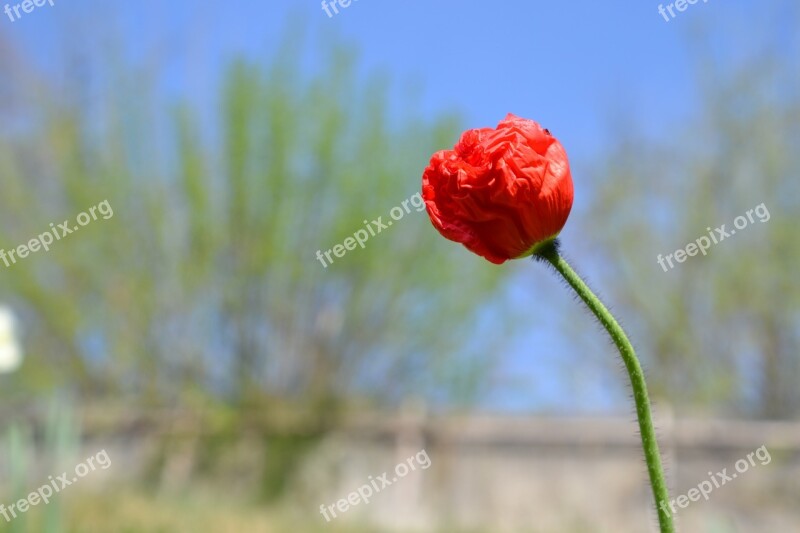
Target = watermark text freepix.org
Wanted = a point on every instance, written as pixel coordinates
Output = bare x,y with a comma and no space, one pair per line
680,5
45,492
375,485
702,244
704,488
56,233
361,236
331,8
26,6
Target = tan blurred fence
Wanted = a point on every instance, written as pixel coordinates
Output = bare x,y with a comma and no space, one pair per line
489,473
504,473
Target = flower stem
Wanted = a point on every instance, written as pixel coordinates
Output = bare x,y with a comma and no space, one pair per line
652,456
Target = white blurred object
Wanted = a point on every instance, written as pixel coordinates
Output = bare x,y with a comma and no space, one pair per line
10,351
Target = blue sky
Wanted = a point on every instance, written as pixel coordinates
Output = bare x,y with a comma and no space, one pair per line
572,66
568,65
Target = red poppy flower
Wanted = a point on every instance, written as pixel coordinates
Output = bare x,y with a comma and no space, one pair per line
501,192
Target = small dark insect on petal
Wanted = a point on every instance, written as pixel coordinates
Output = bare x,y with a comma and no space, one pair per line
547,131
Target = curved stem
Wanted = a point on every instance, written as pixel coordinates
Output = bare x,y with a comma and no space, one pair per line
651,454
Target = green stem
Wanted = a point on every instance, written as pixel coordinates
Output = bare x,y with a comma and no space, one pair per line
646,428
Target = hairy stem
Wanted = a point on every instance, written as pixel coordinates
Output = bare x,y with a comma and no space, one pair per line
652,456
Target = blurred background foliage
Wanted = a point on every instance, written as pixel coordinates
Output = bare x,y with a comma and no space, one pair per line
209,261
719,333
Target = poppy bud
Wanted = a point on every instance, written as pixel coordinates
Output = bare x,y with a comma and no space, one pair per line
502,192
